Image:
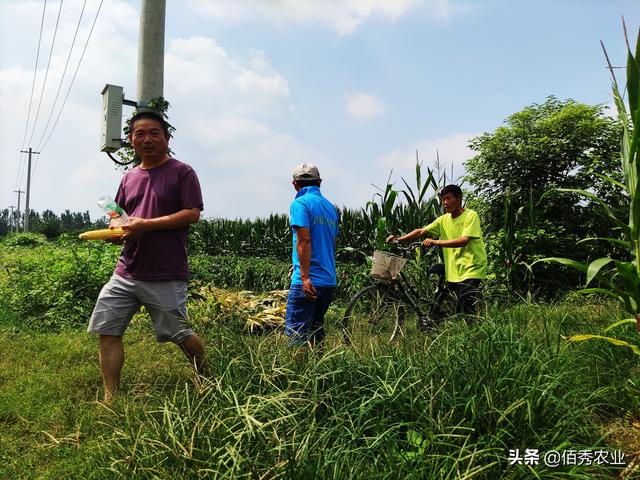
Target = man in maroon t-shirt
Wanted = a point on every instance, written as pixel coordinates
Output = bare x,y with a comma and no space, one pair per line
162,198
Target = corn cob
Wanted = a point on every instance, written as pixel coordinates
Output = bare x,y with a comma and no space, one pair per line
102,234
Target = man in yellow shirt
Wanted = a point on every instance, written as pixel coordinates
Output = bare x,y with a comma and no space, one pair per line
459,234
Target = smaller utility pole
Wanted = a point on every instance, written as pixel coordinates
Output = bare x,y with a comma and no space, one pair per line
19,192
27,212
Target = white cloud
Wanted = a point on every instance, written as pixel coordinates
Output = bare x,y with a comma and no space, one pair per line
342,16
363,107
229,130
222,106
231,110
452,151
199,70
254,178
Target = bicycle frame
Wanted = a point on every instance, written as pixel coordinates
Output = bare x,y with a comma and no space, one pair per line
376,320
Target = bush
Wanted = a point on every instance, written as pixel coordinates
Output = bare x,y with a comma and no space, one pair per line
54,285
25,240
50,287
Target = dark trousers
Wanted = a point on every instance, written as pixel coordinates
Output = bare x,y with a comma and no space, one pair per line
304,320
467,293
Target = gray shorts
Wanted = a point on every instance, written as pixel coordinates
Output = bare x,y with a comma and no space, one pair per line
120,299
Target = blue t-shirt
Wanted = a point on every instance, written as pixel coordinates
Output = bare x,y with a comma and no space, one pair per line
311,210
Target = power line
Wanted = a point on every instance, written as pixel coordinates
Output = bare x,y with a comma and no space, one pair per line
35,71
46,73
64,72
33,84
74,76
20,163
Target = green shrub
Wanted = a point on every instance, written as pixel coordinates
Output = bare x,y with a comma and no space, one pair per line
25,240
50,287
53,286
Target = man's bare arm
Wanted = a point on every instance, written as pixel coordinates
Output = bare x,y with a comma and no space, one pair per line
303,247
454,243
417,233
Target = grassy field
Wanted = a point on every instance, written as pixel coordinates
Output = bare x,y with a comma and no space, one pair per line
447,405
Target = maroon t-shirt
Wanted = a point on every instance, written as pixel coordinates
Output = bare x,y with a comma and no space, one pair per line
159,191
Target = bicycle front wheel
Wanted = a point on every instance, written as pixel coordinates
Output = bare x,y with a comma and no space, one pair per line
374,315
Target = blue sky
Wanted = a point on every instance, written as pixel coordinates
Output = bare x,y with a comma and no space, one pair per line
256,86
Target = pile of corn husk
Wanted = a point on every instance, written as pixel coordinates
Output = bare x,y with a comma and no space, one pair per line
261,311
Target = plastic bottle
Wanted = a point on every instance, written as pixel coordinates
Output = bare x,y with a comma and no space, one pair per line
115,212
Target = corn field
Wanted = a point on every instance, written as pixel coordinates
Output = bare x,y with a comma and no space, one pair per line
391,210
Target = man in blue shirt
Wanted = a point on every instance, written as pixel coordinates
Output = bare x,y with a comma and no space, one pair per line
314,221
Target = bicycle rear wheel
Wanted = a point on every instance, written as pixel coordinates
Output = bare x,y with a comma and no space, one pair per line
374,315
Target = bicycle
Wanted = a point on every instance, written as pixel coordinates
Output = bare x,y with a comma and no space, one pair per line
379,311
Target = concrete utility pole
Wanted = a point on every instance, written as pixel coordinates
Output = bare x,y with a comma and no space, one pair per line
151,51
26,208
19,192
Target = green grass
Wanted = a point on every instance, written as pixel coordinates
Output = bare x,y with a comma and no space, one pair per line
448,405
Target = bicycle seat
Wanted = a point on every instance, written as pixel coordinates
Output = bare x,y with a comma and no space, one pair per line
437,268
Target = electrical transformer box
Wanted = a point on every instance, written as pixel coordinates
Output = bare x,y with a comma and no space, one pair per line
112,100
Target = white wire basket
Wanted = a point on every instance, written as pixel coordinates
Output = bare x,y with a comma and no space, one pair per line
386,266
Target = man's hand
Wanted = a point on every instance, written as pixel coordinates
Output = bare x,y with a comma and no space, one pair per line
392,239
290,274
430,242
308,289
134,228
117,240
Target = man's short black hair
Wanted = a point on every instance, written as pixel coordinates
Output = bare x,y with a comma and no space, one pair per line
308,183
148,114
455,189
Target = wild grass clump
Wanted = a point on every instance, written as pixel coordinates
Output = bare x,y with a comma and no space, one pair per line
447,406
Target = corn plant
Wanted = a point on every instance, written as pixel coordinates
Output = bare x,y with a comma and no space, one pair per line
619,279
380,212
423,204
361,230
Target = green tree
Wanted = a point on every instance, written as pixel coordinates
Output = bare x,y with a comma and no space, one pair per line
50,225
5,222
555,144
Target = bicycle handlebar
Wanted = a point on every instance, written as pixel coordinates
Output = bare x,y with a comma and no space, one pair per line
405,249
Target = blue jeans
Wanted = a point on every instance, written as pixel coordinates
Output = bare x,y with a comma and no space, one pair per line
304,321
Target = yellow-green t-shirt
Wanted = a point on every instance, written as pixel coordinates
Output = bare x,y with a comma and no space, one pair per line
465,262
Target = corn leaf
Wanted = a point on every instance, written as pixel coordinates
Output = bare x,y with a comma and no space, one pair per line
615,341
629,275
595,267
633,81
613,292
389,201
408,193
620,322
564,261
430,182
612,181
617,241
